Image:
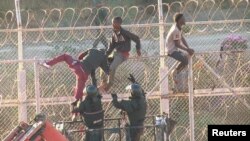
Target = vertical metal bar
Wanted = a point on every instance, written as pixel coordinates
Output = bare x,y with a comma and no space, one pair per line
154,128
120,133
21,73
161,31
191,98
37,87
19,33
163,69
22,97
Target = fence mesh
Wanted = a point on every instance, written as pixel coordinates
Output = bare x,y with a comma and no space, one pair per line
50,32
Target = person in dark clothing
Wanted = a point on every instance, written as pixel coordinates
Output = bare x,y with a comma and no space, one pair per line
121,42
92,112
88,62
100,19
135,108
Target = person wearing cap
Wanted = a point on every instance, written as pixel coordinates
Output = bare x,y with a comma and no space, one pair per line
92,112
136,108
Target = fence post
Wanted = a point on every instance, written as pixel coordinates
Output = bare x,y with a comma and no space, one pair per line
19,33
191,98
22,97
163,69
37,87
21,73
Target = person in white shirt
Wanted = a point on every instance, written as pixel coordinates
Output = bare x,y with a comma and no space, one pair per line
176,41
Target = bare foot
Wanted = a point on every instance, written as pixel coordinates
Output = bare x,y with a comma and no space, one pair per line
102,89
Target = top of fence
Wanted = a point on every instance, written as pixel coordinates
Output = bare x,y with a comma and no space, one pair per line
132,58
195,11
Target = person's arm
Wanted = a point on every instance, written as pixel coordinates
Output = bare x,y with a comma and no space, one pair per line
124,105
82,55
177,37
180,46
79,109
134,38
111,47
184,41
93,78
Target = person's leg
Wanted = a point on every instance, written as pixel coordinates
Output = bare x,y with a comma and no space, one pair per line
94,135
118,60
65,57
136,134
127,132
88,136
182,58
76,67
81,78
100,134
104,78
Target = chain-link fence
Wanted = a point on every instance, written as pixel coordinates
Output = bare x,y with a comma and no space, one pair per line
213,102
50,32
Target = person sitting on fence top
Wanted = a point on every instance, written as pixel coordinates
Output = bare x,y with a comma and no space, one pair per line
135,107
92,112
88,62
121,42
176,41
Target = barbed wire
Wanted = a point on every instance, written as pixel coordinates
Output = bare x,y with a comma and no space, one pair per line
90,23
209,10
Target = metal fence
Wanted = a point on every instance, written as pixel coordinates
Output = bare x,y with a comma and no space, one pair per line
214,103
221,92
48,32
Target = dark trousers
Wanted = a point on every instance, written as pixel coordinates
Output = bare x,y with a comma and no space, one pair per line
134,133
181,57
94,135
77,69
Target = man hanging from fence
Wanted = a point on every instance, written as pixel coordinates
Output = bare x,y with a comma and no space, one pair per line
121,42
86,64
100,19
176,41
92,112
135,108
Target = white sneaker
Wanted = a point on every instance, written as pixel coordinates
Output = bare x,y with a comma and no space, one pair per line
44,64
74,62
